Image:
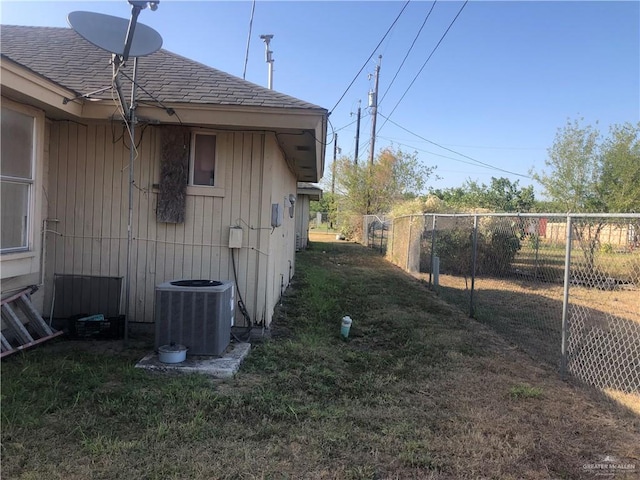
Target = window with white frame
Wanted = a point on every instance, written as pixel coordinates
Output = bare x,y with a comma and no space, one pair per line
17,172
202,163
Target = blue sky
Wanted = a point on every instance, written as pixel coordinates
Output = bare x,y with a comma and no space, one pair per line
505,77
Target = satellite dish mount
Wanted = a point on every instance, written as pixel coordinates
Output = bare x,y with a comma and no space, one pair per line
106,32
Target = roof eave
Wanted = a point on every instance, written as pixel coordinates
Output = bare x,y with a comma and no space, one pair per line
314,193
302,131
23,85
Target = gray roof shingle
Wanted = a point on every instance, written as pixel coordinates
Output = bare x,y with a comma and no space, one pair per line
65,58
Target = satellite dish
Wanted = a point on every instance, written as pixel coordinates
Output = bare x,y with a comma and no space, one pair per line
109,33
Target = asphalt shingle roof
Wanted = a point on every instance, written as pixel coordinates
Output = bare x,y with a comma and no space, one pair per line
65,58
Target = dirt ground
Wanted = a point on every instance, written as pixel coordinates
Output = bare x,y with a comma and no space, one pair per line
530,314
511,299
622,302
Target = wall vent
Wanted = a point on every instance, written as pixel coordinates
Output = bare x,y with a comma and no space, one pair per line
195,313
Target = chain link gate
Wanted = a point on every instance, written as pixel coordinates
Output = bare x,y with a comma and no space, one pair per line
602,345
375,232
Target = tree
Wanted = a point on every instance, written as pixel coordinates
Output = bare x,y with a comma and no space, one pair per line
326,204
573,177
620,175
573,182
621,170
506,196
374,189
456,197
501,195
588,176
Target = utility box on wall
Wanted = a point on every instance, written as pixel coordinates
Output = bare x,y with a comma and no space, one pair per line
276,215
235,237
195,313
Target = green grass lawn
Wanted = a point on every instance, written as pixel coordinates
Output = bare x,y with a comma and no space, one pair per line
417,391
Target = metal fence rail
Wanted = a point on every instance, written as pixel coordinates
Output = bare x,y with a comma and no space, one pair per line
566,288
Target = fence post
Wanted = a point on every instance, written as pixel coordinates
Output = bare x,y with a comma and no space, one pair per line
536,237
368,232
474,256
433,247
382,232
365,234
391,238
409,243
565,299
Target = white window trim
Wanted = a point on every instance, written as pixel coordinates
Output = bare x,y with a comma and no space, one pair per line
26,261
30,194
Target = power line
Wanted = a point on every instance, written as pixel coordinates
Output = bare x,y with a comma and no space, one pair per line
426,61
499,148
395,141
408,51
434,153
484,147
370,56
246,55
351,123
478,162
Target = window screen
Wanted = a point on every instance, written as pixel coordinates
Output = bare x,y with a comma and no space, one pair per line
204,160
16,174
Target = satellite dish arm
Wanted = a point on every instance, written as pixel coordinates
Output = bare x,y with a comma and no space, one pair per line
118,60
135,11
136,7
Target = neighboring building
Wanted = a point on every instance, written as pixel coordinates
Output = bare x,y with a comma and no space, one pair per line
307,192
231,150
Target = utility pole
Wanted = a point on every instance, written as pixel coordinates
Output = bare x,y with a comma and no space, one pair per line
333,174
373,103
268,58
333,165
357,134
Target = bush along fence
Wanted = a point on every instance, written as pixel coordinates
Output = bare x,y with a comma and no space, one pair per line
565,288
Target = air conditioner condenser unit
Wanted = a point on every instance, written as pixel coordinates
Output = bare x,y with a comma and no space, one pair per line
195,313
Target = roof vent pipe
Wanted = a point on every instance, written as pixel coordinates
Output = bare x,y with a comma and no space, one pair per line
268,58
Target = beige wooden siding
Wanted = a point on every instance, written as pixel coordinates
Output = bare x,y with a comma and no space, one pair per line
282,253
302,221
88,194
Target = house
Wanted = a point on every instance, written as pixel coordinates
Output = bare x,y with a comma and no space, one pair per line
211,152
307,192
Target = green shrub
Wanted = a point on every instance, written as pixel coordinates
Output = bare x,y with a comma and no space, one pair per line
496,252
497,249
606,248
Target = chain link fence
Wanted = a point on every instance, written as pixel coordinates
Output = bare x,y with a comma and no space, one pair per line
565,288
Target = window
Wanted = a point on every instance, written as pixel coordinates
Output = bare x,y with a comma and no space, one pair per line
17,179
203,160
